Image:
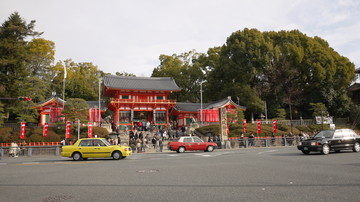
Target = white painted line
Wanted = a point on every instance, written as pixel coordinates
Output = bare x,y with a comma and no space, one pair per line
268,151
30,163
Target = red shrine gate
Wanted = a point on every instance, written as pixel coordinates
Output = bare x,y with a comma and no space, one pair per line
139,99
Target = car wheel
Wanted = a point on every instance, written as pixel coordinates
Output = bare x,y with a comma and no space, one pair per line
181,150
356,147
210,148
117,155
305,151
325,149
77,156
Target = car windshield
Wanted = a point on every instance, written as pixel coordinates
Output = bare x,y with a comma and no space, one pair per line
325,134
106,142
196,139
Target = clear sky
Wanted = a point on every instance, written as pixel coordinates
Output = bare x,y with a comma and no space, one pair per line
130,35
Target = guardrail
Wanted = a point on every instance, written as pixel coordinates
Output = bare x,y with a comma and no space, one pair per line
30,150
258,142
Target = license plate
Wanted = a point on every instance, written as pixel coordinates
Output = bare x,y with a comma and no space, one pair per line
305,148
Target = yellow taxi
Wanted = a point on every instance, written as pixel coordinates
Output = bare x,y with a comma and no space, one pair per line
95,148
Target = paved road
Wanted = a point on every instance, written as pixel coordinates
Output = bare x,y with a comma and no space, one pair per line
254,174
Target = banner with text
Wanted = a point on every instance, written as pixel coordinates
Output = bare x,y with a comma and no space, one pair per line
68,129
90,130
45,130
22,130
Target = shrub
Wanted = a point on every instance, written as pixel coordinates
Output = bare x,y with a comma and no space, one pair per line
5,134
35,138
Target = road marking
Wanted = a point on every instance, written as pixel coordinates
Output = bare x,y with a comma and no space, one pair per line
55,163
268,151
30,163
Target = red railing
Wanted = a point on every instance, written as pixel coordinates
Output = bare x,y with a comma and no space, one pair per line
32,144
117,100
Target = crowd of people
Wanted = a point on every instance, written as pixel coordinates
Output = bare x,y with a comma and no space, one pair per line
141,141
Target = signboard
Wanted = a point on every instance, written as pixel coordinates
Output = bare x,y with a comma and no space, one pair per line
90,130
223,124
68,129
22,130
45,130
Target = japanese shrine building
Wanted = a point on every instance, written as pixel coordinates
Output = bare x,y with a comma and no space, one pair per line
136,99
51,109
186,112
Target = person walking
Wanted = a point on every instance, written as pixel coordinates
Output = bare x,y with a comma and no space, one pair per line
251,140
161,145
242,141
138,145
143,144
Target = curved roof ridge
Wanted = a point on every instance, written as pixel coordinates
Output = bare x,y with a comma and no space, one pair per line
141,83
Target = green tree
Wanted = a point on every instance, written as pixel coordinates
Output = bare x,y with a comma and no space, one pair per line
13,52
287,69
81,81
124,74
281,114
17,66
319,109
41,57
2,112
76,108
187,73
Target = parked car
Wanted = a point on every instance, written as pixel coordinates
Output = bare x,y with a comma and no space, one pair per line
191,143
331,140
95,148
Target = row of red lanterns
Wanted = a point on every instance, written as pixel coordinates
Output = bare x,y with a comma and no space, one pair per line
258,123
46,130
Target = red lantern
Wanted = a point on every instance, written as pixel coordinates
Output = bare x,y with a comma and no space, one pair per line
22,130
68,129
244,126
274,126
258,126
45,129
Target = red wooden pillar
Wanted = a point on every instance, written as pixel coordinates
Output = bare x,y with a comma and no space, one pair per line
167,116
116,116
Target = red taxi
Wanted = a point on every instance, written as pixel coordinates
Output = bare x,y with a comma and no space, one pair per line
191,143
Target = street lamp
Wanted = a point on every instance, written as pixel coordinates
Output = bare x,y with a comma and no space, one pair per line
201,103
99,112
65,73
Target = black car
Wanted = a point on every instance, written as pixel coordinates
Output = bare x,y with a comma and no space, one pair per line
327,140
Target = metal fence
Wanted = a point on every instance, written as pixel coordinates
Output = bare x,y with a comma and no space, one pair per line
30,151
16,126
259,142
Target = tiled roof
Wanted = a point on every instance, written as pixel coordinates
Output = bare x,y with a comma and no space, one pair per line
223,102
141,83
95,104
53,98
194,107
189,107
